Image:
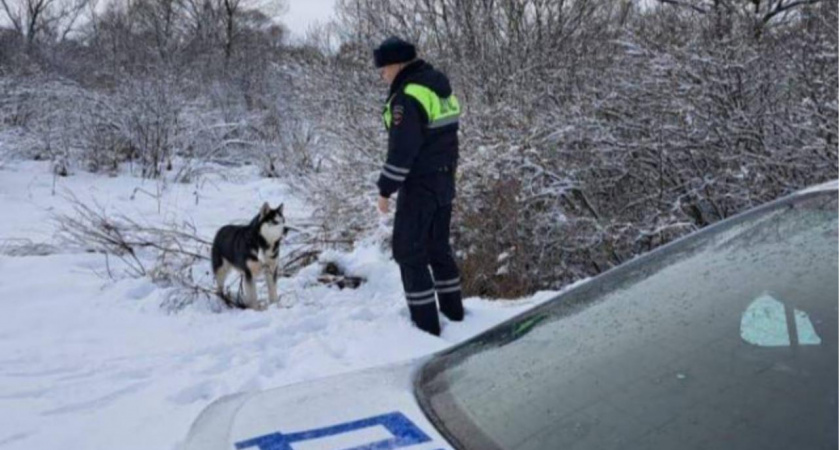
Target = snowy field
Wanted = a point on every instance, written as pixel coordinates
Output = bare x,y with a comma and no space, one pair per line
87,362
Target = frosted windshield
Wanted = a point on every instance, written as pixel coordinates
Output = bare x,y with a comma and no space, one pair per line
724,340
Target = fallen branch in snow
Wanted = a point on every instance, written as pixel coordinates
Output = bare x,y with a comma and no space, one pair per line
333,276
168,255
174,255
300,258
308,240
94,230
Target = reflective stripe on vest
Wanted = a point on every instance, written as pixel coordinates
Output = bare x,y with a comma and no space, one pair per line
441,112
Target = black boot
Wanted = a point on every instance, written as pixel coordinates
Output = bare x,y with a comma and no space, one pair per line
426,318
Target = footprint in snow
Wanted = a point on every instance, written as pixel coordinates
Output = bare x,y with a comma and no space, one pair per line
141,291
35,393
363,314
14,438
96,403
203,391
255,325
42,373
270,367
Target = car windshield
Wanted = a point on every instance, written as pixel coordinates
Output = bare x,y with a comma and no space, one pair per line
727,339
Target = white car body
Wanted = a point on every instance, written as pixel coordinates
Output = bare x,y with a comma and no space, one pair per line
371,409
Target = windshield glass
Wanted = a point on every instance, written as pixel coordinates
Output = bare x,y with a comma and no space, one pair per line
727,339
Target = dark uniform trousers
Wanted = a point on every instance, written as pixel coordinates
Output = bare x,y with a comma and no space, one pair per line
421,240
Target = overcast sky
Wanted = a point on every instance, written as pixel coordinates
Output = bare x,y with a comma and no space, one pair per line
302,13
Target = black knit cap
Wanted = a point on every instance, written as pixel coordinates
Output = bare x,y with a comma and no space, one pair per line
392,51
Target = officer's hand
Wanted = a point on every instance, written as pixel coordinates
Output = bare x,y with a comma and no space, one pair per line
383,205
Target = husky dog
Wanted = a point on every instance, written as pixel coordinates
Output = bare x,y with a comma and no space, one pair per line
249,248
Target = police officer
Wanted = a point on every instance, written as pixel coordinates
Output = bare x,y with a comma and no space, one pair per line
421,116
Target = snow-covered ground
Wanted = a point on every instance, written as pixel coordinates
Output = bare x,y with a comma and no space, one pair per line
91,363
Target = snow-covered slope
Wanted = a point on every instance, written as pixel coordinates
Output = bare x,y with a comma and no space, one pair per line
91,363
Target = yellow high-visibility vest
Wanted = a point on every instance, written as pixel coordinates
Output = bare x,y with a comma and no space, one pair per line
440,111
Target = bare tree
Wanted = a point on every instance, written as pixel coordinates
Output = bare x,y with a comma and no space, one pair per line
43,19
759,12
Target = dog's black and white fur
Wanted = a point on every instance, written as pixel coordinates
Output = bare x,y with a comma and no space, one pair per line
248,249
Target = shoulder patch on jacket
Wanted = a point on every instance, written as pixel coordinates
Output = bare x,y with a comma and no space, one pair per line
398,114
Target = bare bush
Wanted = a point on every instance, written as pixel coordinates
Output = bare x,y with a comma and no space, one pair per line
173,256
624,127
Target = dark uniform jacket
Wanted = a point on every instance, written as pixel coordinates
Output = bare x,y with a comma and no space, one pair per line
421,116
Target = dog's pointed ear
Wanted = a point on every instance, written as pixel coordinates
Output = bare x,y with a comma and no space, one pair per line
265,210
280,209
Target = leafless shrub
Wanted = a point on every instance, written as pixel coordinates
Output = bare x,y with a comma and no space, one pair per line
624,127
173,256
90,228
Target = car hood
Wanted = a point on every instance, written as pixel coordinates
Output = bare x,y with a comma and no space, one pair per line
374,408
